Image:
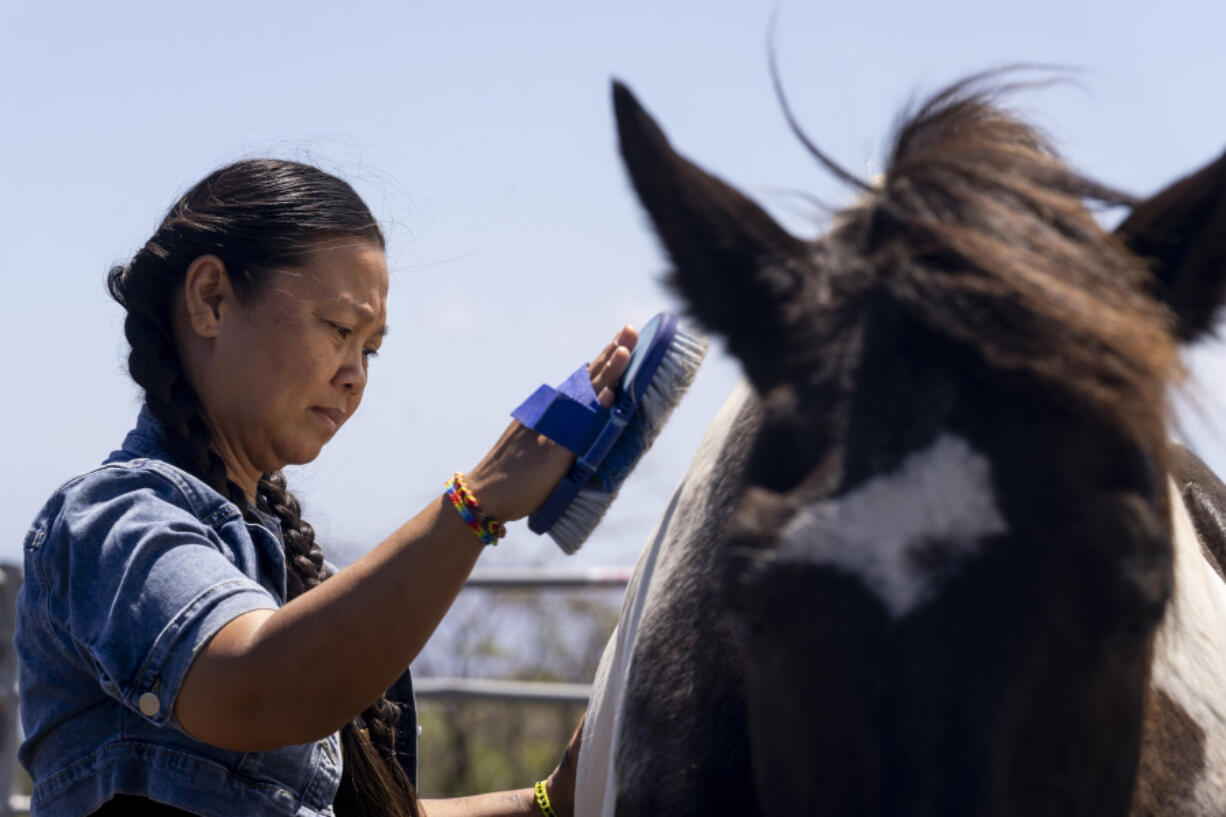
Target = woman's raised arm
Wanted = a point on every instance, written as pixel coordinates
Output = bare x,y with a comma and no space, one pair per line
273,678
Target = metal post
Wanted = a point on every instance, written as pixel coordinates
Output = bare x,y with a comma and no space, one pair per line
10,583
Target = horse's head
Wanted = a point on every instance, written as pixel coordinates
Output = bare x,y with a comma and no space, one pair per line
952,544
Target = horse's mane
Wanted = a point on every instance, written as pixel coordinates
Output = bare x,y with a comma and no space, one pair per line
980,232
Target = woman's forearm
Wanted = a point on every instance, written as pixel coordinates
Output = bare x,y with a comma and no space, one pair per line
517,803
273,678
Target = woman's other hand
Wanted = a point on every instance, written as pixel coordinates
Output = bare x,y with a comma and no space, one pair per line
523,467
561,783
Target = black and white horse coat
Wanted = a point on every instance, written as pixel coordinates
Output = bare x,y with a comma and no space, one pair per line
639,723
937,555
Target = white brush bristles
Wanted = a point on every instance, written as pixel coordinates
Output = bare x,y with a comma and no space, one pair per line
667,386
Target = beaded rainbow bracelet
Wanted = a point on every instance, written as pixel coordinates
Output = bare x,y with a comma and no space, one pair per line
487,529
542,799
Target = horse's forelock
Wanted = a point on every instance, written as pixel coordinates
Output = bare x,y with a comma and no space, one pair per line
980,233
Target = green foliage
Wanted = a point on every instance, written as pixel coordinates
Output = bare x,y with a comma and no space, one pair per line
480,746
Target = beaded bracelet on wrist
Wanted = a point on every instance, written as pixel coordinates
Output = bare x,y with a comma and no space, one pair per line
486,528
542,799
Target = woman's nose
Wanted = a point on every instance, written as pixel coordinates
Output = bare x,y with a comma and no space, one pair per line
352,375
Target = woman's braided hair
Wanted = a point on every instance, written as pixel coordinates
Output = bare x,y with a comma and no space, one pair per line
256,216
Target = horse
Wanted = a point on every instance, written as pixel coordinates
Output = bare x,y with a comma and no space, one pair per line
938,554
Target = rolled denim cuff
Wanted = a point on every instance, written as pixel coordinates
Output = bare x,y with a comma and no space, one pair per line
157,684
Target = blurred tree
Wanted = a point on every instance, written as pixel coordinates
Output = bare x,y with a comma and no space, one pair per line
468,747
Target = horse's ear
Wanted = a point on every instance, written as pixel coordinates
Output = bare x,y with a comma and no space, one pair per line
736,268
1181,234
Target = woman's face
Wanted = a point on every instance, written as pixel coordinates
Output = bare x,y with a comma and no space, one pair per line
287,366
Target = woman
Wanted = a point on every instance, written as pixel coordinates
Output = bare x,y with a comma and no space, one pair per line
173,660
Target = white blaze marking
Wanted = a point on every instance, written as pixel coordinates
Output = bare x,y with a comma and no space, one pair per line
940,495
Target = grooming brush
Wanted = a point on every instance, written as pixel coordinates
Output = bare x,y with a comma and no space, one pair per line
608,443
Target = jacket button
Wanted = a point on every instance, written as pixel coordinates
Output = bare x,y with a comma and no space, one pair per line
149,704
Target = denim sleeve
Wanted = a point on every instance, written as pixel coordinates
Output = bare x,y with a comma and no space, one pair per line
144,583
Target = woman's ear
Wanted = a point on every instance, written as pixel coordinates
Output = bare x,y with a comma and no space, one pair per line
206,293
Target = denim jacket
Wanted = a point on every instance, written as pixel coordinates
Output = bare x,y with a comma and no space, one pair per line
129,570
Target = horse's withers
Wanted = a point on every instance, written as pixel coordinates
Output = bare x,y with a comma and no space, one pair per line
642,707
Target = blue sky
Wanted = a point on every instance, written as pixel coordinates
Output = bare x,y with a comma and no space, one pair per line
481,135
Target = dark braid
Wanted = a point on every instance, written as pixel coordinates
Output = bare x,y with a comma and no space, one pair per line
255,215
303,557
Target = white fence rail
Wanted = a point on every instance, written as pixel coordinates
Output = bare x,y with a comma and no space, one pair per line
486,689
528,578
533,578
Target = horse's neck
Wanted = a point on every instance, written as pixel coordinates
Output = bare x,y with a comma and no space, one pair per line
662,562
1183,764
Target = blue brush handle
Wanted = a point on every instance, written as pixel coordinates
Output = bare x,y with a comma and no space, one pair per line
653,344
570,415
580,473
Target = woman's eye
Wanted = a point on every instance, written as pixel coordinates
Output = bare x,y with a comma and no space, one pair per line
343,331
370,354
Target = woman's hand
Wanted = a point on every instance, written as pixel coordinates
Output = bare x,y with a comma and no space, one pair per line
523,467
561,783
610,364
